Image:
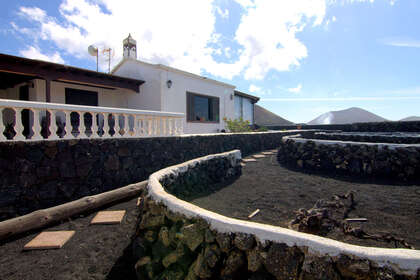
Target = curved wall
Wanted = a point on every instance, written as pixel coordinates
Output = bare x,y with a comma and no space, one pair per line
401,161
178,239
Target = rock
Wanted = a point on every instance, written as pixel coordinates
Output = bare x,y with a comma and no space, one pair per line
284,262
352,267
212,255
244,242
209,236
150,236
317,268
172,273
254,260
164,236
225,241
174,256
192,235
159,251
233,263
112,163
149,221
143,261
200,267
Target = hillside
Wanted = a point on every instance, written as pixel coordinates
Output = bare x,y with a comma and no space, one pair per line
351,115
263,117
410,119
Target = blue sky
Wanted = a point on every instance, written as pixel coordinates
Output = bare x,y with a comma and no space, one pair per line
303,58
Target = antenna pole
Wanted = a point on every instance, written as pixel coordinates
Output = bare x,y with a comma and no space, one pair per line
97,58
109,62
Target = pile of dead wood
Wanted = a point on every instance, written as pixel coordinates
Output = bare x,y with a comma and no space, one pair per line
327,215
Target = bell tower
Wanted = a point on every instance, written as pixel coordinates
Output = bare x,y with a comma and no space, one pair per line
129,47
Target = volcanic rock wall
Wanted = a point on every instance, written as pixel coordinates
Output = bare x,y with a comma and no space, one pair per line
41,174
377,160
178,240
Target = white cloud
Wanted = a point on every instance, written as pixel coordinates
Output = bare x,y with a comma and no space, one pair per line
35,53
296,89
222,13
254,89
182,33
327,99
409,43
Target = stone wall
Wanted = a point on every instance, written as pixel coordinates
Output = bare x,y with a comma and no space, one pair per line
376,160
363,127
178,240
398,138
36,175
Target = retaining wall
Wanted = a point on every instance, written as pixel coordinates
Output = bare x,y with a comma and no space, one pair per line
377,160
41,174
413,126
178,240
397,138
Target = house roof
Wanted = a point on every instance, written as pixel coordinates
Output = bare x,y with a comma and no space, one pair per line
13,69
254,99
171,69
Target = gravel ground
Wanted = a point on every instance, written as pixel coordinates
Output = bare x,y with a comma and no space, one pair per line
278,192
94,252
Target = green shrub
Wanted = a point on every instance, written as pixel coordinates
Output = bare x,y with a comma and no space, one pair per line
237,125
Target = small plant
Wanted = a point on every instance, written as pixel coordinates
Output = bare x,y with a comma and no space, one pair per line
237,125
262,129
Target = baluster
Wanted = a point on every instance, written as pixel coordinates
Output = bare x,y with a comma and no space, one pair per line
126,126
141,126
18,125
82,126
94,127
127,130
106,125
164,132
36,127
136,128
117,126
170,126
2,126
149,126
53,125
68,128
156,126
181,126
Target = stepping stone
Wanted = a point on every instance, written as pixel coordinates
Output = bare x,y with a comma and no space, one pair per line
248,160
49,240
259,156
108,217
243,164
268,153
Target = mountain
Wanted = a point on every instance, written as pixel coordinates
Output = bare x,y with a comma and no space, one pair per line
410,119
350,115
263,117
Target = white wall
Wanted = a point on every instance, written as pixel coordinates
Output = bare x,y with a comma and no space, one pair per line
149,97
174,99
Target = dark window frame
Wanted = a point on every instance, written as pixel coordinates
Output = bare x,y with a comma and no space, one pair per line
190,110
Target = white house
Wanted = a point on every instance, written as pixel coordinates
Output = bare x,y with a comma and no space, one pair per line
205,102
132,84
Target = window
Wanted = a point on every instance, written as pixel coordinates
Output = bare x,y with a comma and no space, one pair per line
244,109
202,108
81,97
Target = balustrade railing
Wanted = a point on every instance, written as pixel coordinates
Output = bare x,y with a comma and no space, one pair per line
27,120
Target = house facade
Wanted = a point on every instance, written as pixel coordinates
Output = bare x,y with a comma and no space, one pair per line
132,84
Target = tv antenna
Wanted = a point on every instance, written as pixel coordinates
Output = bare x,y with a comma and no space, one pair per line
111,54
93,51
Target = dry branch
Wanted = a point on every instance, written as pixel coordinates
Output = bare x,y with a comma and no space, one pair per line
44,217
253,214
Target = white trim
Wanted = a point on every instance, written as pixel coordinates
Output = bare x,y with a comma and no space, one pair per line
403,260
171,69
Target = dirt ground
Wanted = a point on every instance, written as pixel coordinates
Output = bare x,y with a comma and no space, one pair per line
94,252
278,192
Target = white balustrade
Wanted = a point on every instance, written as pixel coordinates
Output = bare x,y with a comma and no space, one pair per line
28,121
